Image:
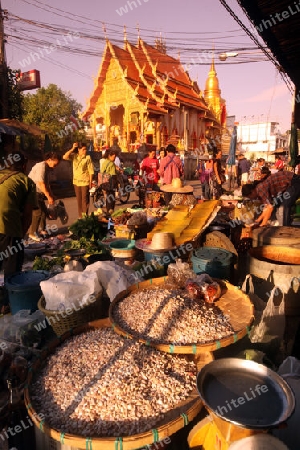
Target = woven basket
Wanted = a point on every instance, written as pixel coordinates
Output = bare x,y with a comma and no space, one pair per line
61,322
233,302
172,421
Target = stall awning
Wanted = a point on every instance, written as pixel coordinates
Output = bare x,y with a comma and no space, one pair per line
15,127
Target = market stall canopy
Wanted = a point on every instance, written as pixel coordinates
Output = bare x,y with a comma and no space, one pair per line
15,127
280,151
278,22
5,129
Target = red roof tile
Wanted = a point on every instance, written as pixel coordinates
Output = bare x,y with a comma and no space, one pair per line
153,64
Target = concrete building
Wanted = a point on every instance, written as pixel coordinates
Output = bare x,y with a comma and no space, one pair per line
260,140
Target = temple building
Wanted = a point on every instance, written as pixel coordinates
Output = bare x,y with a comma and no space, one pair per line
142,95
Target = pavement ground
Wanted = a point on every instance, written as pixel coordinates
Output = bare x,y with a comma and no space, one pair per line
71,207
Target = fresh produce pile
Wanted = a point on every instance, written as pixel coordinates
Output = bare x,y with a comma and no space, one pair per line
51,263
89,227
118,387
48,264
145,313
91,247
121,216
125,217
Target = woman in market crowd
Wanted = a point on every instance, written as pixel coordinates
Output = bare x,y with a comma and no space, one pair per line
162,154
149,166
109,168
255,172
18,200
83,171
217,175
205,169
279,163
40,175
280,188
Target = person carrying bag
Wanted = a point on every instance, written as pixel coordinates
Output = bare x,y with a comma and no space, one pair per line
107,178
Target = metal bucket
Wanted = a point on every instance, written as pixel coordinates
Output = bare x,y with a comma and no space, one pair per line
238,394
278,266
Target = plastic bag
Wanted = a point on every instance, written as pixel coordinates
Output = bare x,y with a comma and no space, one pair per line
203,286
103,178
272,322
258,303
19,328
112,277
70,290
179,272
62,212
57,211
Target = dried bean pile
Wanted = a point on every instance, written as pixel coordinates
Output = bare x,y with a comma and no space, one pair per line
101,384
170,316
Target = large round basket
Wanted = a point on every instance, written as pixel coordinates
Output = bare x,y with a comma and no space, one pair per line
233,303
65,320
173,421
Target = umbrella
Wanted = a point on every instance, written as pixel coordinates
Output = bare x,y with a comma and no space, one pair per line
232,155
232,147
293,146
280,151
21,127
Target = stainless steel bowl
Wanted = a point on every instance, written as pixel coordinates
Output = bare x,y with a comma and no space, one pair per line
245,393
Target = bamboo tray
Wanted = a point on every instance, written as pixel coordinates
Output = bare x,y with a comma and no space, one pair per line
173,421
234,303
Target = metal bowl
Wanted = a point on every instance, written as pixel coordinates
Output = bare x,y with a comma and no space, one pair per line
245,393
75,252
35,249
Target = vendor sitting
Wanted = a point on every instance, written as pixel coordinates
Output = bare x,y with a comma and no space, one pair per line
280,188
178,194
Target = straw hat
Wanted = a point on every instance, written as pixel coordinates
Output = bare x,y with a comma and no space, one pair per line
162,241
177,186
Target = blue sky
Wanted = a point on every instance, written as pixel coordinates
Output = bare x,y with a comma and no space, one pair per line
191,28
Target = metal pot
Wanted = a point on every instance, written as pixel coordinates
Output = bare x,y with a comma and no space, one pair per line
224,228
245,393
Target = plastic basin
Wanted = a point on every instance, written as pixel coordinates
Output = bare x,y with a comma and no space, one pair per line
24,289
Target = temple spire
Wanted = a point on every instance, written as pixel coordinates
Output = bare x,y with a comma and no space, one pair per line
125,36
104,30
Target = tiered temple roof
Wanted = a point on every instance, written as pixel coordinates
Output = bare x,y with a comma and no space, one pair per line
158,80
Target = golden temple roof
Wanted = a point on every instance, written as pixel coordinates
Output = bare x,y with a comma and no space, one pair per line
156,78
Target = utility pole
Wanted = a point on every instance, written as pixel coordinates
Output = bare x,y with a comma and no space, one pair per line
3,69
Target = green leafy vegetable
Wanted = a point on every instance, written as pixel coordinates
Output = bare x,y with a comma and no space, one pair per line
88,227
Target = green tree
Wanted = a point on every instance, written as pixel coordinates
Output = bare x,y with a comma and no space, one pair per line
15,96
50,108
